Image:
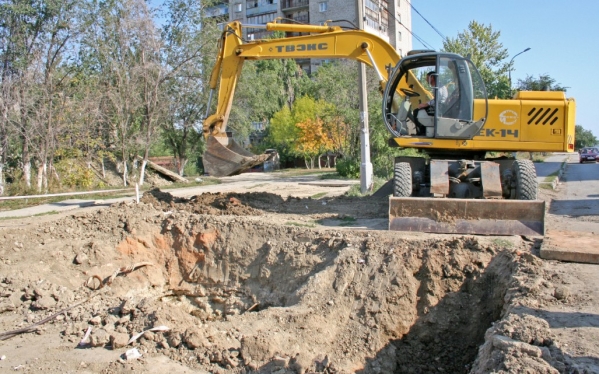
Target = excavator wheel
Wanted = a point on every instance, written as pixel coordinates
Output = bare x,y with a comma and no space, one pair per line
402,180
526,179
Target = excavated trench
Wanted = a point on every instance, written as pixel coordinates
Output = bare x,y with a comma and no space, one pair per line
242,289
304,300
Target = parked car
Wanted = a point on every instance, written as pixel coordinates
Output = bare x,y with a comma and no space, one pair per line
589,154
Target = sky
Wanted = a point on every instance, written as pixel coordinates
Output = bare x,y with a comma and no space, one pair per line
562,37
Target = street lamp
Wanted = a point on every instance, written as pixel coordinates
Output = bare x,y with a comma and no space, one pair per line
510,71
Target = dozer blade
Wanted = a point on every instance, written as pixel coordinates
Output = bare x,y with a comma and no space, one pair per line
230,159
467,216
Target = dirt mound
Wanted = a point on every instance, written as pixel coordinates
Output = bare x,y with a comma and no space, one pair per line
259,203
228,287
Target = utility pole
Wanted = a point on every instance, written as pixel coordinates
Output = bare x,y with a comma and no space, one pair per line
365,165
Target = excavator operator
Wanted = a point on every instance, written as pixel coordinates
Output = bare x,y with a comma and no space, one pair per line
446,100
429,106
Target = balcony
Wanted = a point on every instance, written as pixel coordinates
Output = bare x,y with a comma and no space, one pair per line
262,8
294,4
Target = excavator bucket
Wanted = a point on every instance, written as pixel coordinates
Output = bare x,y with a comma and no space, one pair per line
222,160
467,216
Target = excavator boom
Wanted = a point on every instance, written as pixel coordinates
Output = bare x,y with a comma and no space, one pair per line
223,156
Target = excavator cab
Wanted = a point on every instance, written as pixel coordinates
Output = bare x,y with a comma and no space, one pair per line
447,84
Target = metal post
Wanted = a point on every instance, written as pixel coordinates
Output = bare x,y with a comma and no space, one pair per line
365,165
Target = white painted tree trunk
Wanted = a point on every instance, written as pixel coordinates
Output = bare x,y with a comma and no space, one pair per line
1,179
142,172
42,177
27,173
124,173
181,166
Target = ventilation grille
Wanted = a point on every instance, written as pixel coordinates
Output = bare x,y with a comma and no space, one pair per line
543,116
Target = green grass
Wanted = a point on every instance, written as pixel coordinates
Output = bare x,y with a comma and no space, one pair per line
547,182
206,181
318,195
300,172
332,175
503,243
355,190
347,221
301,224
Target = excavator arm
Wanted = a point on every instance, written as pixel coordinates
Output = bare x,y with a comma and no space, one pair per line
223,155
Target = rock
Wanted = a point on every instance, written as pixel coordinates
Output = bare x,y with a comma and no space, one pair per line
128,306
504,343
561,293
193,337
38,293
280,361
99,338
81,258
149,335
119,340
174,338
95,321
110,320
6,306
16,298
43,303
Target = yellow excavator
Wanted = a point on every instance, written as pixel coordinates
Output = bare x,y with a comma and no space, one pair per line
454,187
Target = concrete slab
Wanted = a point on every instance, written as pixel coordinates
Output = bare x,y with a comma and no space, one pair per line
571,246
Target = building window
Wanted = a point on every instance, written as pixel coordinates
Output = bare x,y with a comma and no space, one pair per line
398,18
400,53
322,7
238,7
399,36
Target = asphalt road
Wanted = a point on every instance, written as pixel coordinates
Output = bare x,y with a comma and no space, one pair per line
580,197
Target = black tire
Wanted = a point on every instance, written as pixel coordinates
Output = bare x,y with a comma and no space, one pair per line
526,179
402,180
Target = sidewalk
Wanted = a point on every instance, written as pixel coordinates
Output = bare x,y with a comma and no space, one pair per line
61,207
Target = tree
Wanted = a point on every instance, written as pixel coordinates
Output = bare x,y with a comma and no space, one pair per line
482,44
543,83
190,42
303,130
584,138
35,40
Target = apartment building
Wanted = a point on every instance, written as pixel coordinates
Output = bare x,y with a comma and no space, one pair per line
390,19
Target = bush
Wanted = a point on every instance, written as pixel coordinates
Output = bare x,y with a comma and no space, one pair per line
75,174
348,168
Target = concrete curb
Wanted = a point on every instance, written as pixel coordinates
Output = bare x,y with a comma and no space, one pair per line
553,184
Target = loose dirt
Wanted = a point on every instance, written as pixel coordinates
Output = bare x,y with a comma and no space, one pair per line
259,282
